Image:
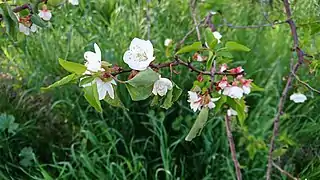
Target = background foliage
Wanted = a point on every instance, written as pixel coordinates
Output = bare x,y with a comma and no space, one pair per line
56,135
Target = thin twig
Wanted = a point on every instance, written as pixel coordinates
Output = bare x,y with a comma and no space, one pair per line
193,5
233,148
306,84
282,100
284,172
178,62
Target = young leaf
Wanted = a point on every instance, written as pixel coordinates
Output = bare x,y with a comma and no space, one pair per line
177,91
234,46
198,125
210,60
155,100
254,87
139,93
116,102
239,106
91,95
37,21
168,100
220,102
210,39
86,80
61,82
72,67
193,47
144,78
11,14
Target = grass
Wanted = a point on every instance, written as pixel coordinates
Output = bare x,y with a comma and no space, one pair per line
69,140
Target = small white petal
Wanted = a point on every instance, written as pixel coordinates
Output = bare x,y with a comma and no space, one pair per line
298,98
217,35
167,42
109,89
233,92
74,2
33,28
246,89
161,86
231,112
211,105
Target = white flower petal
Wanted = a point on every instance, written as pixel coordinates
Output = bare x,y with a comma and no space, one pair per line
233,92
74,2
167,42
211,105
33,28
161,86
97,51
246,89
217,35
231,112
109,89
298,98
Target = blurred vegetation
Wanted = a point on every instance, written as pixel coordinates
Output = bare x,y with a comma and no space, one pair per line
57,135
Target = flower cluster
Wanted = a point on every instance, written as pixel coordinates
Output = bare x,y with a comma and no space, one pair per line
25,25
197,102
45,14
94,65
238,85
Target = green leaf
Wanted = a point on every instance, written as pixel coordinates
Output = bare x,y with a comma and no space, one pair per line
11,14
210,60
37,21
9,22
116,102
220,102
91,95
86,80
234,46
139,93
7,123
198,125
239,106
279,152
72,67
177,91
254,87
210,39
168,100
61,82
224,53
144,78
155,101
27,156
193,47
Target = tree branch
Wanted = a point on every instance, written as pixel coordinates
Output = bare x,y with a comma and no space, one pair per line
232,148
284,172
178,62
287,86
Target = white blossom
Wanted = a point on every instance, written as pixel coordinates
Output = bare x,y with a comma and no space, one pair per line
139,55
74,2
93,60
45,14
93,64
194,100
246,89
223,68
233,92
231,112
161,86
298,98
26,30
217,35
199,58
103,87
211,104
167,42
